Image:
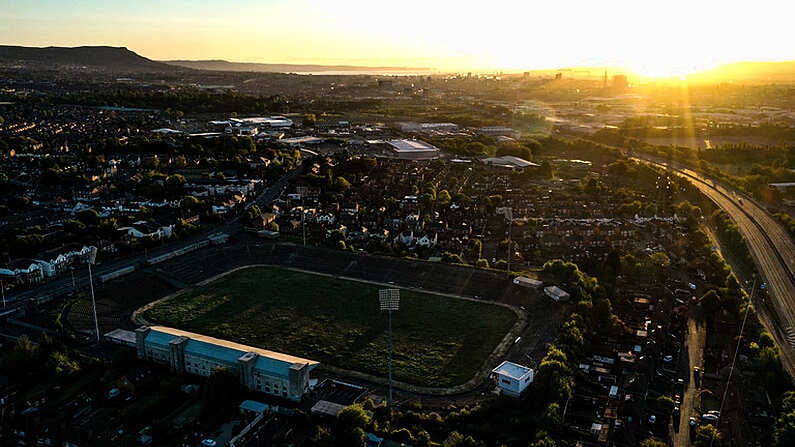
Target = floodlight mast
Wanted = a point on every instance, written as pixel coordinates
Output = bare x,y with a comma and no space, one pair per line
92,258
302,190
509,217
389,300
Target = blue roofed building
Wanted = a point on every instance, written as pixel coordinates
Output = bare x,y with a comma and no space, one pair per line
512,378
260,370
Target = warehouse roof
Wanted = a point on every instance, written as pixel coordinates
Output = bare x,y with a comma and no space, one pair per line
411,146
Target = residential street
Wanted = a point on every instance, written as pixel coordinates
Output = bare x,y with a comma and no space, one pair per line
691,400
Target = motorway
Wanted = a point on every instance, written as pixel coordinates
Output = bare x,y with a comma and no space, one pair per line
66,284
774,254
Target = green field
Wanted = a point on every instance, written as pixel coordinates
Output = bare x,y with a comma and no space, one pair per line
438,341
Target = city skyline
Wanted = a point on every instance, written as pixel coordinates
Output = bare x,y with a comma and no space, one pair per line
657,40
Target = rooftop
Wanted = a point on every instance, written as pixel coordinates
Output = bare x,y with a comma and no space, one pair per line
512,370
411,146
224,349
327,408
254,406
509,161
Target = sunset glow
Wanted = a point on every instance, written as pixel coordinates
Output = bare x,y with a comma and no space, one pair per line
670,39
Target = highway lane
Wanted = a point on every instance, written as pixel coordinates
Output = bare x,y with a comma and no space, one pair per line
773,251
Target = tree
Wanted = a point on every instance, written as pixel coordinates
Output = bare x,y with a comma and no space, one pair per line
533,145
252,212
452,258
708,435
515,149
710,303
543,440
456,439
554,375
74,227
23,360
342,184
784,432
665,404
571,337
651,442
552,416
88,217
62,365
443,198
403,435
189,203
474,249
175,185
660,261
353,416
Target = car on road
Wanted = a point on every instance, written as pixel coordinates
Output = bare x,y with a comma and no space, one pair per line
710,417
692,421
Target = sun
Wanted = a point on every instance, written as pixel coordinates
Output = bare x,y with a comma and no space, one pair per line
667,69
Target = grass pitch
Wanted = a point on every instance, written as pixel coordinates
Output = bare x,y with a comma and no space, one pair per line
438,341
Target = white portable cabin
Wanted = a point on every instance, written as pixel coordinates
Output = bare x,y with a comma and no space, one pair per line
512,378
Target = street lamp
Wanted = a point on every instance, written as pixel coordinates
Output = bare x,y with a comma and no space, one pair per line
390,300
509,216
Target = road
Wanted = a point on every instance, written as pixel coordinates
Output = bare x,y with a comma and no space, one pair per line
691,399
774,254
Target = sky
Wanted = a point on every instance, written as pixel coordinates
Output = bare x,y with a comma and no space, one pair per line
650,36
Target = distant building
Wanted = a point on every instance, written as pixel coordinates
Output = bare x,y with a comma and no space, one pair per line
260,370
510,162
266,121
494,131
512,378
411,126
413,149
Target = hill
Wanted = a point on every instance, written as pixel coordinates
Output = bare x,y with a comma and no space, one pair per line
112,59
222,65
749,72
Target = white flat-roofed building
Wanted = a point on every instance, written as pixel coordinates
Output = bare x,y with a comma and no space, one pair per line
260,370
297,141
509,161
527,282
556,293
512,378
413,149
269,121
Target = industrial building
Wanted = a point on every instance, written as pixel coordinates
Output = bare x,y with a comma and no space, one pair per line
260,370
413,150
509,161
